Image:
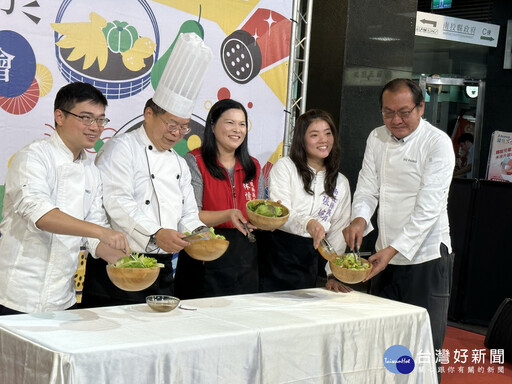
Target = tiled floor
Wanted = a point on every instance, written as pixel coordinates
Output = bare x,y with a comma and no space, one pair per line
469,327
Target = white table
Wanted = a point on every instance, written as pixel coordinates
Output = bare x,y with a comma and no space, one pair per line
303,336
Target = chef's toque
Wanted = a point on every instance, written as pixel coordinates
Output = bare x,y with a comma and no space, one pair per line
183,75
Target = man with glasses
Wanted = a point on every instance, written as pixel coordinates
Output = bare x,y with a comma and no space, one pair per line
147,194
407,170
53,206
147,186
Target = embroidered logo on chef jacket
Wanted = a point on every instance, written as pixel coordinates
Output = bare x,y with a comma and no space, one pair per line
398,359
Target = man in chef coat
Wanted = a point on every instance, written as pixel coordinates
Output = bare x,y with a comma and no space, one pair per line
147,185
53,206
407,170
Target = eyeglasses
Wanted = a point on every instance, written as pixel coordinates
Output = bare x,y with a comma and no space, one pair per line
173,126
401,114
88,120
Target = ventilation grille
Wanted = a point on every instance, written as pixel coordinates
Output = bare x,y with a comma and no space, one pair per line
476,10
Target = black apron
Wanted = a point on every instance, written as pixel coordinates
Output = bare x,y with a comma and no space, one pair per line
234,273
286,261
99,291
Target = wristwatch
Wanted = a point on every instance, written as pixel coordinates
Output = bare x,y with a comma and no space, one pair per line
152,245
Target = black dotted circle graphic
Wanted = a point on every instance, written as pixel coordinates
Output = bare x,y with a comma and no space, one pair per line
241,56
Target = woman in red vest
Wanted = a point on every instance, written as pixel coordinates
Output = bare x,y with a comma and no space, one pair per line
224,177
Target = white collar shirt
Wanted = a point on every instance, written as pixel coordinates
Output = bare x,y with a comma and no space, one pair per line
285,184
409,181
37,267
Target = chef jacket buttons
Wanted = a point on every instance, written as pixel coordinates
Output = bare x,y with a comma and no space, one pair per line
178,176
150,147
152,176
147,202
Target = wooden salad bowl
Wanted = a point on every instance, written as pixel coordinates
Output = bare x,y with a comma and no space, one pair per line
207,250
264,222
132,279
350,276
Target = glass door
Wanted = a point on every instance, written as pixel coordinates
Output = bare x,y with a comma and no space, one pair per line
455,105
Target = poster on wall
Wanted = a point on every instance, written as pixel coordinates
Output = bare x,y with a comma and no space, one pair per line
465,124
499,165
122,46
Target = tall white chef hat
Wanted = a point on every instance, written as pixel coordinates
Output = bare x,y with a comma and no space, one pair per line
183,75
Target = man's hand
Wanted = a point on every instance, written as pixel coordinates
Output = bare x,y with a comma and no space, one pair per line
380,261
108,254
353,234
337,286
316,230
115,240
170,240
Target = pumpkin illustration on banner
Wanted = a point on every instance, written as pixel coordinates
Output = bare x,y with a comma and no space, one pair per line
112,52
120,36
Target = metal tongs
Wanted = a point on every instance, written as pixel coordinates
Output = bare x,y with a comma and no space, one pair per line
250,235
201,233
134,258
327,246
356,252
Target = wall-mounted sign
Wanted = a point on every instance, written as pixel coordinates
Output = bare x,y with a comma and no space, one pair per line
441,4
370,77
455,29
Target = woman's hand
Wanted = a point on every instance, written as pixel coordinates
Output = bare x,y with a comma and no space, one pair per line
316,230
337,286
238,220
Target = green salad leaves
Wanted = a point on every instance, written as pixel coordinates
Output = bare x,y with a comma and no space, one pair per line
213,235
265,209
349,261
140,261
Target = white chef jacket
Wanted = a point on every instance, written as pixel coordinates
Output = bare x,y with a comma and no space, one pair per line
285,184
145,189
37,267
409,180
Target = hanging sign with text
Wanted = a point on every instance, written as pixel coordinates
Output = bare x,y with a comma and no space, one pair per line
455,29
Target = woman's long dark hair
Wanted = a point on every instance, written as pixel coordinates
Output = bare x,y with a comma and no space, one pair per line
299,156
209,147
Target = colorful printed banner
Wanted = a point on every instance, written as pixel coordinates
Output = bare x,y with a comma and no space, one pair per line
122,46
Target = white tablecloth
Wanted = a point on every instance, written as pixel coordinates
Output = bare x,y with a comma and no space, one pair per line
303,336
